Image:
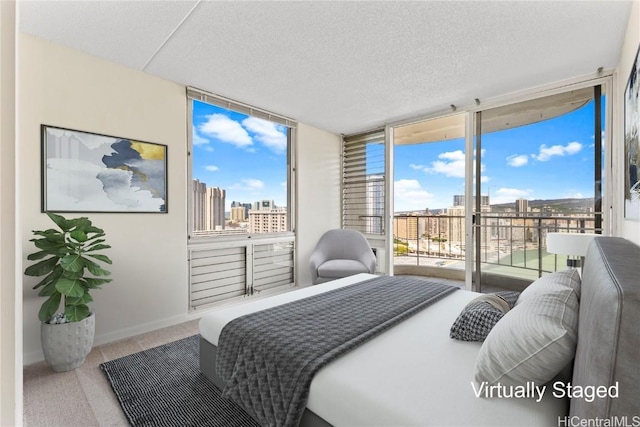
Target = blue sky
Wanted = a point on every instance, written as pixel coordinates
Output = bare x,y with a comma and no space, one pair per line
244,155
553,159
548,160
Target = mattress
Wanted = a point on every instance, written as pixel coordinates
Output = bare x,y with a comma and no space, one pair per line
411,375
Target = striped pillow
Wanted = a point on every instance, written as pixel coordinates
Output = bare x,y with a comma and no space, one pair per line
535,340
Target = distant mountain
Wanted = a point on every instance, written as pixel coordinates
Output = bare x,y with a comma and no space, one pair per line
551,205
557,205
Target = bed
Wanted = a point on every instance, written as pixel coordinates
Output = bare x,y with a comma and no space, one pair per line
414,374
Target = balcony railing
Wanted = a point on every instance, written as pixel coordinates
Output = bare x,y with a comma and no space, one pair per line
511,244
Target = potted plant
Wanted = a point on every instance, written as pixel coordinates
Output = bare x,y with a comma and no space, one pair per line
67,258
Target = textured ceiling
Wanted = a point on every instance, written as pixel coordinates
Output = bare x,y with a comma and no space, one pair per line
343,66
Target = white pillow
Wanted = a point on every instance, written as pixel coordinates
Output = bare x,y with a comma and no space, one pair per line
551,282
536,339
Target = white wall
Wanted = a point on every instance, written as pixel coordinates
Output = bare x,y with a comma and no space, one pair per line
318,192
626,228
63,87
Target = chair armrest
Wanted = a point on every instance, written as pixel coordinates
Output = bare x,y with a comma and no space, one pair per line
317,258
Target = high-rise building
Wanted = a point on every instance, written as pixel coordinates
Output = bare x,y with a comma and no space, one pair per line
522,206
238,214
214,214
268,220
375,204
247,207
208,207
262,205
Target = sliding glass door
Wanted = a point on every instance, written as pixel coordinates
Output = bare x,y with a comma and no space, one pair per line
537,169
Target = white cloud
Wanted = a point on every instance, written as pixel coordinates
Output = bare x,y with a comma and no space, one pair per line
198,139
226,130
517,160
509,195
212,168
248,184
451,165
409,195
546,153
271,135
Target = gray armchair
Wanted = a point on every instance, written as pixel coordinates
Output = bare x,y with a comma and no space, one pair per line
340,253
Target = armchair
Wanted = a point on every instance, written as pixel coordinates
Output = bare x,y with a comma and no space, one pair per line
340,253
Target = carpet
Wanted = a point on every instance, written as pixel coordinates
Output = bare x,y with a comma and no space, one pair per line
163,386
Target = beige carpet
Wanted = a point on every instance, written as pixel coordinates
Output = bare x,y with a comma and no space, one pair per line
83,397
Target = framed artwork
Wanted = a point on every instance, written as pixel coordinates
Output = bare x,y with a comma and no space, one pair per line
632,144
89,172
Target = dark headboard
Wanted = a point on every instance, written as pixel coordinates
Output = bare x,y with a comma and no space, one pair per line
608,351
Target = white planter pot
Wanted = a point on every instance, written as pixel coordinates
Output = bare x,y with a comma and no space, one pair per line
66,345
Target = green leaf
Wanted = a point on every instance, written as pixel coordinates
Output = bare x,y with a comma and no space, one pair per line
93,229
73,274
48,290
84,299
51,277
96,270
49,232
102,258
95,242
52,246
97,248
78,236
70,287
72,262
60,221
43,267
94,283
76,313
81,223
37,255
49,307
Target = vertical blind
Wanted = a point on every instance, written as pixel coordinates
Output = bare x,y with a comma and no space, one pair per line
363,182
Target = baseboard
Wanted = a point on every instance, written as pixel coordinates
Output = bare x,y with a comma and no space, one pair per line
38,356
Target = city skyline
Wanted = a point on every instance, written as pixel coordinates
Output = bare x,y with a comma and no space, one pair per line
244,155
552,159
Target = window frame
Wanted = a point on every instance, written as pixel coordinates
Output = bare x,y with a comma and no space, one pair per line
193,94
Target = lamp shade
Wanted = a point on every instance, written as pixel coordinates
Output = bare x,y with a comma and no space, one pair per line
573,244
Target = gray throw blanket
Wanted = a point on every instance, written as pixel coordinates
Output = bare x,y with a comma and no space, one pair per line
268,358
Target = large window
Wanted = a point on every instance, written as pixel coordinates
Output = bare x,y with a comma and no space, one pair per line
240,167
240,205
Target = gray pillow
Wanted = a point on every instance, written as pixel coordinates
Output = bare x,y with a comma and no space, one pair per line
478,317
535,340
549,282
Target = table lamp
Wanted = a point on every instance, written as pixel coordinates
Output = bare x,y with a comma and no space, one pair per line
573,245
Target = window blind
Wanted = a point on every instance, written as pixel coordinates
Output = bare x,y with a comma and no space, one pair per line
363,182
209,98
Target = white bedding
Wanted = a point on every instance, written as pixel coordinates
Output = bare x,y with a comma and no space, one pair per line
411,375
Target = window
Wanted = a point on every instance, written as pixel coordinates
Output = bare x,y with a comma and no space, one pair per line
240,169
240,187
363,182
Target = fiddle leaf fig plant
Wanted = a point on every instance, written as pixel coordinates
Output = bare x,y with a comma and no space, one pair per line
68,258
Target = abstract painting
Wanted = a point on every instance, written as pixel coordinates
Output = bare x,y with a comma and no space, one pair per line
632,143
89,172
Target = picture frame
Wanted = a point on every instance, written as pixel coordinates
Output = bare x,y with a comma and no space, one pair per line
90,172
632,143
